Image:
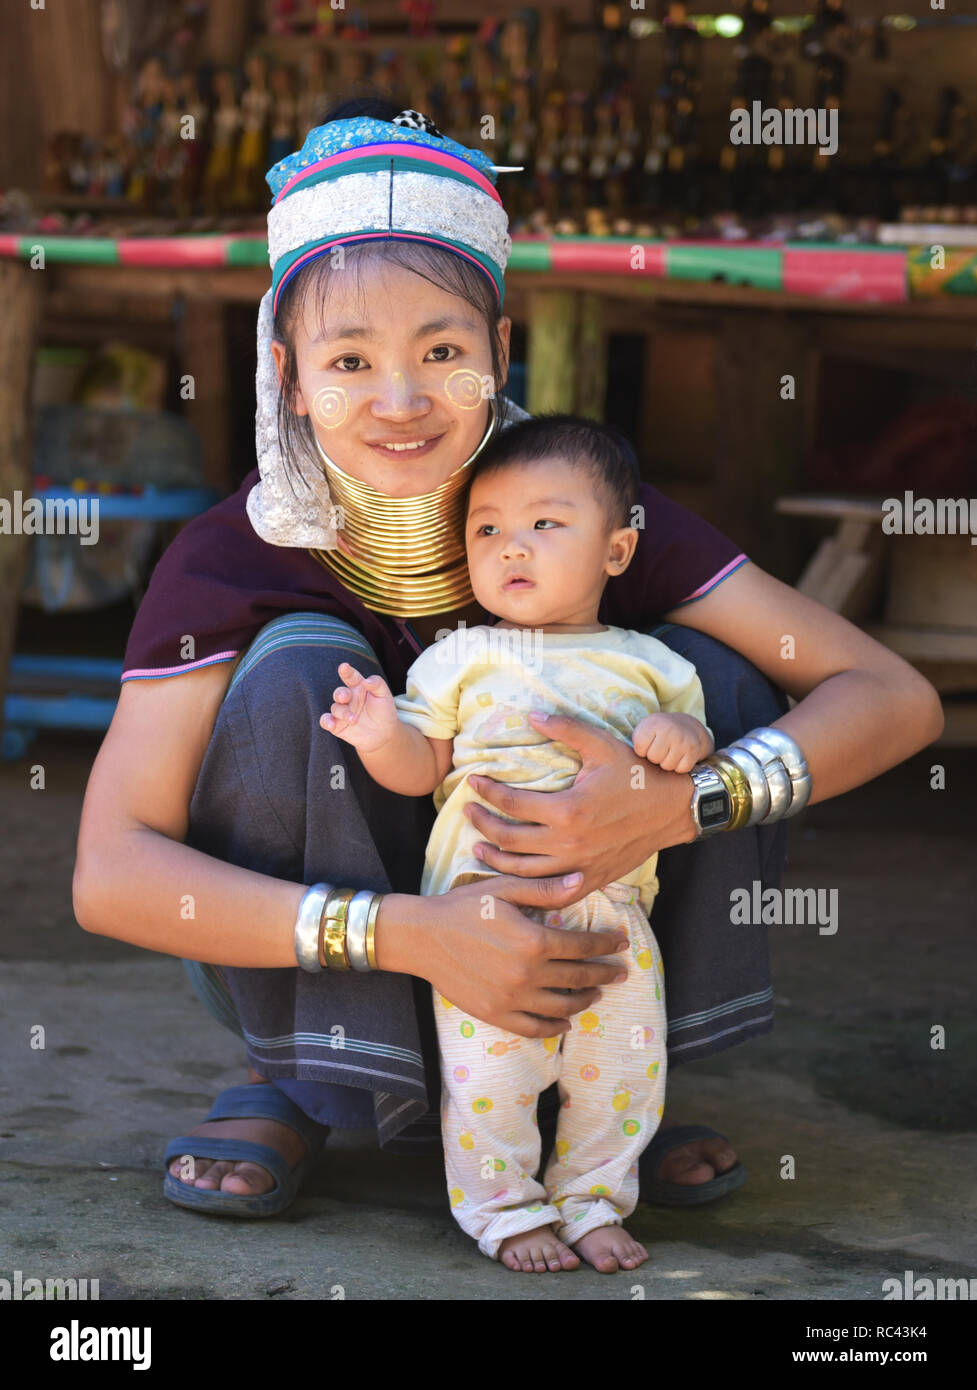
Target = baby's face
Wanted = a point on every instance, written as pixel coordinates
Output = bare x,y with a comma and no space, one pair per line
540,549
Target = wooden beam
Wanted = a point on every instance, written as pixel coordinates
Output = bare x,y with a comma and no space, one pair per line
203,355
945,323
235,285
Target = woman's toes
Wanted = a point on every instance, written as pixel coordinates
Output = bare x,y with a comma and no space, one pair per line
247,1180
719,1154
209,1175
188,1169
685,1167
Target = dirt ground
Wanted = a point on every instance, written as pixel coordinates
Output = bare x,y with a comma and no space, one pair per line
880,1124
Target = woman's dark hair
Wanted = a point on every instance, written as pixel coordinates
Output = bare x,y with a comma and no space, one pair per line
600,451
442,268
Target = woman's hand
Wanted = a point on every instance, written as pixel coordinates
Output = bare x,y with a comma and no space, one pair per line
479,951
620,810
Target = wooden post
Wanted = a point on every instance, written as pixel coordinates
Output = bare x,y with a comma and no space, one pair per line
551,351
591,358
226,33
203,358
20,294
760,436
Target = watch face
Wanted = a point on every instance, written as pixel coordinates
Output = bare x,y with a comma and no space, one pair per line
714,809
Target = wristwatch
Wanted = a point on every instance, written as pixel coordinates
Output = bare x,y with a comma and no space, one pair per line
712,805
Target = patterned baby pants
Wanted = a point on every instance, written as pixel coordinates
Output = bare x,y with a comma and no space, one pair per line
610,1072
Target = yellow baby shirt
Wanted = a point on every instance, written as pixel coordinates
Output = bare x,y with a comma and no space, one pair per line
478,684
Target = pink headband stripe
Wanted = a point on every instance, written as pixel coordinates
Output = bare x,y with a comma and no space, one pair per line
320,247
397,147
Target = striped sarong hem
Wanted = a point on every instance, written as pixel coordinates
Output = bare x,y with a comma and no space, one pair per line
303,630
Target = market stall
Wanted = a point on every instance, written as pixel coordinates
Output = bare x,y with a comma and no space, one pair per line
762,314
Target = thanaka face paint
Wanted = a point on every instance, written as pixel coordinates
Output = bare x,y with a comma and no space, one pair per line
464,388
330,407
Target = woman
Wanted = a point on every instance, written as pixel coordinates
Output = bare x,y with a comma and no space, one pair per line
216,804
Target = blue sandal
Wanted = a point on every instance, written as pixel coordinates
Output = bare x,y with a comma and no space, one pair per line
673,1194
259,1101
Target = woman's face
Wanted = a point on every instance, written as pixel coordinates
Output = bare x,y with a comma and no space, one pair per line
395,362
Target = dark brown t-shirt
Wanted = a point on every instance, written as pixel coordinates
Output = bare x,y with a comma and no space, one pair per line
219,583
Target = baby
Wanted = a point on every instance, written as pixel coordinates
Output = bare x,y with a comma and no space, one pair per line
550,519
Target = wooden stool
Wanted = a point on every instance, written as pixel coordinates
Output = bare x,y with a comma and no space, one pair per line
930,594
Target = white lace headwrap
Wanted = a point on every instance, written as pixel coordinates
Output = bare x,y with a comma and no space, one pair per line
325,196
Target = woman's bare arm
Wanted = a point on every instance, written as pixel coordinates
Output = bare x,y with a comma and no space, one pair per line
134,878
861,709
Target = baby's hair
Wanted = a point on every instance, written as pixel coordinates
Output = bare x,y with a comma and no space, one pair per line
311,287
600,451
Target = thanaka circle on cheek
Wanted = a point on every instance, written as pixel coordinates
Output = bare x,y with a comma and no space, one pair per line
330,407
463,388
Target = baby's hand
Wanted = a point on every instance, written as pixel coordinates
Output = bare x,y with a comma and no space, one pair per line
674,742
363,712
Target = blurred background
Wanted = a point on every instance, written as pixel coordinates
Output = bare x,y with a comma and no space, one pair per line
786,330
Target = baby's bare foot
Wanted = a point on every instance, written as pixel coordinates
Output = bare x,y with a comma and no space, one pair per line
535,1252
610,1248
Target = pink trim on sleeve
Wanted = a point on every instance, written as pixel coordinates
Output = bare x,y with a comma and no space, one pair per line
718,578
153,673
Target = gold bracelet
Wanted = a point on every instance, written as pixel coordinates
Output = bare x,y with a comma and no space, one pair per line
738,785
371,924
332,929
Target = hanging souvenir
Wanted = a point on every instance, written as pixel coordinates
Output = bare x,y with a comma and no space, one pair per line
223,149
252,149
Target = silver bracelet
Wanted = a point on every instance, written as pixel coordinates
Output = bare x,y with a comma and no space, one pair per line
784,769
307,926
356,915
775,775
795,763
